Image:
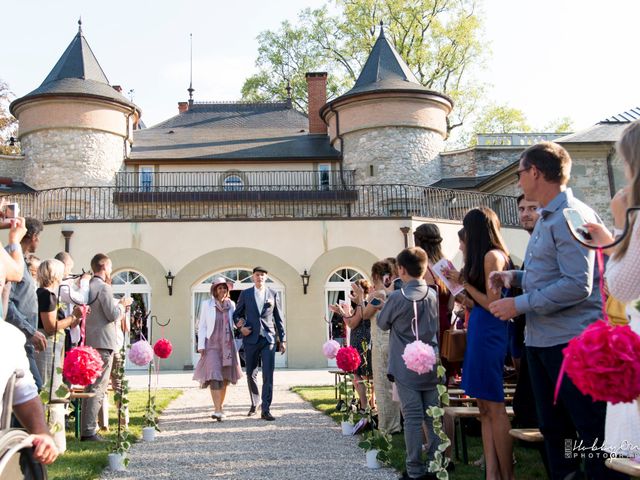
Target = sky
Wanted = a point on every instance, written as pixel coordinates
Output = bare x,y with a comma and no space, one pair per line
549,58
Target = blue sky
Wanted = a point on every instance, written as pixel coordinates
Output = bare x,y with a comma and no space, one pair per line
550,58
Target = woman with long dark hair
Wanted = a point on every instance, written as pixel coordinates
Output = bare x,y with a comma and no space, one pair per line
487,337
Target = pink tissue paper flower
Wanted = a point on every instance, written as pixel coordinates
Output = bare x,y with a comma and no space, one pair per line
348,359
604,362
82,365
330,349
419,357
141,353
163,348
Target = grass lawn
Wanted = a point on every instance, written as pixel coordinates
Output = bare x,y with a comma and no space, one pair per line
528,466
86,460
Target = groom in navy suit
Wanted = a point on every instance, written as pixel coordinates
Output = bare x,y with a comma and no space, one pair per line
258,315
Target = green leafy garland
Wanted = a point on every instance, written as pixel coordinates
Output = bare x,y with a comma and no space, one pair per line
439,464
151,414
121,443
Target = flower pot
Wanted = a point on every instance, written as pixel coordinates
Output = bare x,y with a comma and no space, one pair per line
148,434
56,425
372,460
347,428
116,462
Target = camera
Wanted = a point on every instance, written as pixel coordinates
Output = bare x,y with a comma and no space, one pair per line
11,212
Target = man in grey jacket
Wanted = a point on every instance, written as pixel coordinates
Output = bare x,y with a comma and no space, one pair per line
417,392
100,333
22,307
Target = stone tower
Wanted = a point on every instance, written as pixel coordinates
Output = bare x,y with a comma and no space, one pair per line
74,129
389,128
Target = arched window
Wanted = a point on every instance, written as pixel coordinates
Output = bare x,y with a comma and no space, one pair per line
128,283
337,288
240,278
233,183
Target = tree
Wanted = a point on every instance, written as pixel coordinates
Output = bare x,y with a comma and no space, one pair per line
438,39
8,123
559,125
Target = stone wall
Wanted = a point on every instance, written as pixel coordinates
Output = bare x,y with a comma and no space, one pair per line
12,166
71,157
397,155
459,164
478,161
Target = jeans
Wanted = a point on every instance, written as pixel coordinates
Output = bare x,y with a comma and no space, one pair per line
414,404
573,412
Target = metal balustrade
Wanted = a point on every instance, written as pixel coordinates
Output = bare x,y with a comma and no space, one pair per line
174,203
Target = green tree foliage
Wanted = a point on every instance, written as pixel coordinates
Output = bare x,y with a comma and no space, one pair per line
8,123
502,119
559,125
438,39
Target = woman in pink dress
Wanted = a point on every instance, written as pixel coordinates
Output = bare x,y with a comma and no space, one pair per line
219,362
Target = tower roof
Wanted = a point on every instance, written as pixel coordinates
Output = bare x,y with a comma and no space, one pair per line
77,72
385,71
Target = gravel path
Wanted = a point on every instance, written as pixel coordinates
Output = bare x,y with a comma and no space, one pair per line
301,444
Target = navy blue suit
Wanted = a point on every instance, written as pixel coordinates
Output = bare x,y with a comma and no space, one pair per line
266,326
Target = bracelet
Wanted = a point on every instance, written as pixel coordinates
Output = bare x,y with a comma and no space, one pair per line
617,232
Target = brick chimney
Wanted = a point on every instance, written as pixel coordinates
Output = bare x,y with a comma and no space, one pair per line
183,107
317,91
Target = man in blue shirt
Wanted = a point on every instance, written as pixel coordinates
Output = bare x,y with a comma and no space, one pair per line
560,299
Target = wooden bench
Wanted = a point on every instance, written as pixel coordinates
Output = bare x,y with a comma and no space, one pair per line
624,465
459,414
527,434
76,397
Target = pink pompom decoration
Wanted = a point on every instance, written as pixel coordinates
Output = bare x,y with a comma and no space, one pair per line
163,348
141,353
419,357
604,362
348,359
82,365
330,349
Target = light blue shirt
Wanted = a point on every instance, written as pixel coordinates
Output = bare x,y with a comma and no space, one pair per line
560,282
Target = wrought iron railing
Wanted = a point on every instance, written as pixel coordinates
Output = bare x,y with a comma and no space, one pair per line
107,204
234,180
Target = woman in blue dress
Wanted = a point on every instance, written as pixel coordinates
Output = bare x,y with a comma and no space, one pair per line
487,337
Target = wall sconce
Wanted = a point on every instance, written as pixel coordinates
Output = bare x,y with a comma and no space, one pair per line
405,231
67,232
170,278
305,280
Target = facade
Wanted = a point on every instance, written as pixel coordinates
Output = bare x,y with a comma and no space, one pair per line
224,186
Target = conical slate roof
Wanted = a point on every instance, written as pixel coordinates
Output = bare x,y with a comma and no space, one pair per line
77,72
385,71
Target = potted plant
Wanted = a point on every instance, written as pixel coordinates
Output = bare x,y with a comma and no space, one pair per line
118,459
377,444
150,415
347,408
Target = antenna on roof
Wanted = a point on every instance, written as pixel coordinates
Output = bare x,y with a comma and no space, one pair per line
381,28
80,25
288,88
191,89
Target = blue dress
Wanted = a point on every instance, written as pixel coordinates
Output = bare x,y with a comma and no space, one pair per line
487,339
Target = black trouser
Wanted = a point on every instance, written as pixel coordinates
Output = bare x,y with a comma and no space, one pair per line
573,412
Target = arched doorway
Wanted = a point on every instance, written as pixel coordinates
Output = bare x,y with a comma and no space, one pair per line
241,280
337,288
129,283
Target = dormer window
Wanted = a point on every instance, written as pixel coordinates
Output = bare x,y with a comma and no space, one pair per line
233,183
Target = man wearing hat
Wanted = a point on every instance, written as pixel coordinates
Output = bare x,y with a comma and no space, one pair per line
260,309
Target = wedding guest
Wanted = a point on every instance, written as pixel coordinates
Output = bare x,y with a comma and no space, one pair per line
561,298
417,392
52,322
260,318
622,427
487,337
219,362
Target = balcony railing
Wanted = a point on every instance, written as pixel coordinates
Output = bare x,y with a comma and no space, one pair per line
234,180
112,204
516,139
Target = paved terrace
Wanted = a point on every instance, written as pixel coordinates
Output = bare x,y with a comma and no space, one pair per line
301,444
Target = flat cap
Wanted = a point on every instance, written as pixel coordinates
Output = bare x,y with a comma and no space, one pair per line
259,269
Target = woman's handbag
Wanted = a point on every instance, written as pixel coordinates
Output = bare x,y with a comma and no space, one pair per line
454,343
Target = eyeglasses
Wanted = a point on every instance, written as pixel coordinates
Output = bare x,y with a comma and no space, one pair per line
521,171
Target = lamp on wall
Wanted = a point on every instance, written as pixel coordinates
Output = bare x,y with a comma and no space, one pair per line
305,280
67,233
170,278
405,231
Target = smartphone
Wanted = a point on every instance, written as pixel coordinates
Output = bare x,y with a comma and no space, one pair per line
11,212
576,222
376,302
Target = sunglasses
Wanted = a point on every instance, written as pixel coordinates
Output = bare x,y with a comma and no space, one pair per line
519,172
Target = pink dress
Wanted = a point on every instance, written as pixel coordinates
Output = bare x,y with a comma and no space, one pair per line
220,360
